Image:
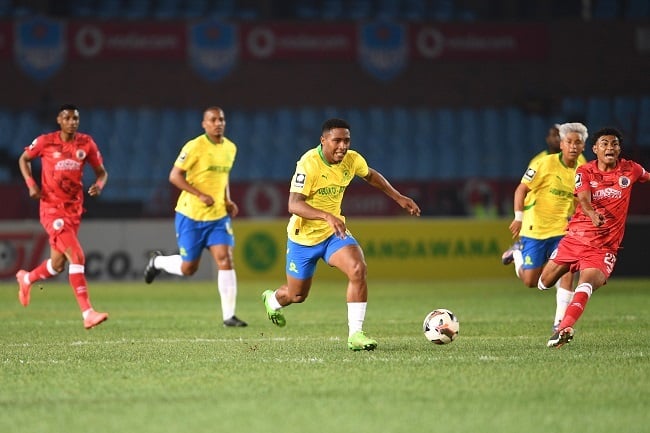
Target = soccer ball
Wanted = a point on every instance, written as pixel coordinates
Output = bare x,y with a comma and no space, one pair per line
440,326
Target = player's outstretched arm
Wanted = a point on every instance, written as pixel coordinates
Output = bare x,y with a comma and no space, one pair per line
377,180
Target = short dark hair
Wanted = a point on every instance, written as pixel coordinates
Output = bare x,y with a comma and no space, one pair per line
608,131
330,124
68,107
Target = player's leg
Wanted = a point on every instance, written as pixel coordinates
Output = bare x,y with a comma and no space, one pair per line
348,257
220,240
300,267
68,242
47,269
563,297
190,238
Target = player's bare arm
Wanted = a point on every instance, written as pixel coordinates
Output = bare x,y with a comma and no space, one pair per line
100,181
177,178
298,206
377,180
25,165
231,206
584,198
521,192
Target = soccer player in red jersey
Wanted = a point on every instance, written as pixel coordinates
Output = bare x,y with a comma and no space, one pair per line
603,188
63,155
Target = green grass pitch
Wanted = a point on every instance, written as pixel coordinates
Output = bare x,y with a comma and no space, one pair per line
164,363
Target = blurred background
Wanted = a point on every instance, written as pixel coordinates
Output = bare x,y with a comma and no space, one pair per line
448,98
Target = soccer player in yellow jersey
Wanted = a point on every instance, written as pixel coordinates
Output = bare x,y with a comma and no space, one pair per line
204,211
541,224
317,229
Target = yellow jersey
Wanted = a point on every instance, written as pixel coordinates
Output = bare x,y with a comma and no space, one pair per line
207,167
551,184
324,185
530,198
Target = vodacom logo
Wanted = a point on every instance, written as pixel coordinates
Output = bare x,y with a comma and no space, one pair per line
430,42
89,41
261,42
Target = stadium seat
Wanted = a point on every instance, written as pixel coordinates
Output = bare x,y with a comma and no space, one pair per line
491,142
446,145
8,131
470,151
136,9
358,9
643,122
605,9
599,113
515,147
637,9
167,9
625,113
574,109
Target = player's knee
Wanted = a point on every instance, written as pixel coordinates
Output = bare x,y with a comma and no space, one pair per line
358,271
189,269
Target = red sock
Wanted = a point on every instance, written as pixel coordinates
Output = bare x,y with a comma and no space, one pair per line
40,272
575,310
78,283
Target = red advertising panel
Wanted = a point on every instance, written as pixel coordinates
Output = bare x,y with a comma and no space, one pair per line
6,40
127,40
282,40
479,41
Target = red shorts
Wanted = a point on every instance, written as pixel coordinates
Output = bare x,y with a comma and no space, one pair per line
62,229
580,256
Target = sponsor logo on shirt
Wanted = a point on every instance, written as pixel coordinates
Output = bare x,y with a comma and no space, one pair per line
67,165
607,193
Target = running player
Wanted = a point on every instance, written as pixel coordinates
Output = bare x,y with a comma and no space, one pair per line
63,154
317,229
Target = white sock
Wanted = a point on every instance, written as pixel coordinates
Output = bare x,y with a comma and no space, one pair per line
518,258
563,298
356,316
273,302
50,269
227,285
169,264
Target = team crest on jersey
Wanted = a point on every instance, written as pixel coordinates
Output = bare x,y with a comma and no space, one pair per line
299,180
530,174
57,224
624,181
578,180
81,154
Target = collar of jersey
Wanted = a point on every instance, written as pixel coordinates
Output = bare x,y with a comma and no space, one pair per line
320,152
208,137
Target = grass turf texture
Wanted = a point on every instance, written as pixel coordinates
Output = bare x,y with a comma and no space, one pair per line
164,363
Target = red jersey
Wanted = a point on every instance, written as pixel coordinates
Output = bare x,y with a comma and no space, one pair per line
610,196
62,165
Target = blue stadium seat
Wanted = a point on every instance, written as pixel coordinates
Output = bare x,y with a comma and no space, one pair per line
599,113
446,145
332,9
643,122
515,144
471,150
136,9
605,10
387,9
538,127
625,114
167,9
358,9
425,156
442,10
414,10
491,143
108,9
574,109
637,9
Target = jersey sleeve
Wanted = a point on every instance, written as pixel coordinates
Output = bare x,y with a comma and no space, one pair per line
95,158
302,180
36,146
361,168
186,157
583,176
531,175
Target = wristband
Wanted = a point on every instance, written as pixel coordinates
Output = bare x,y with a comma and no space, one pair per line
99,184
519,215
30,182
